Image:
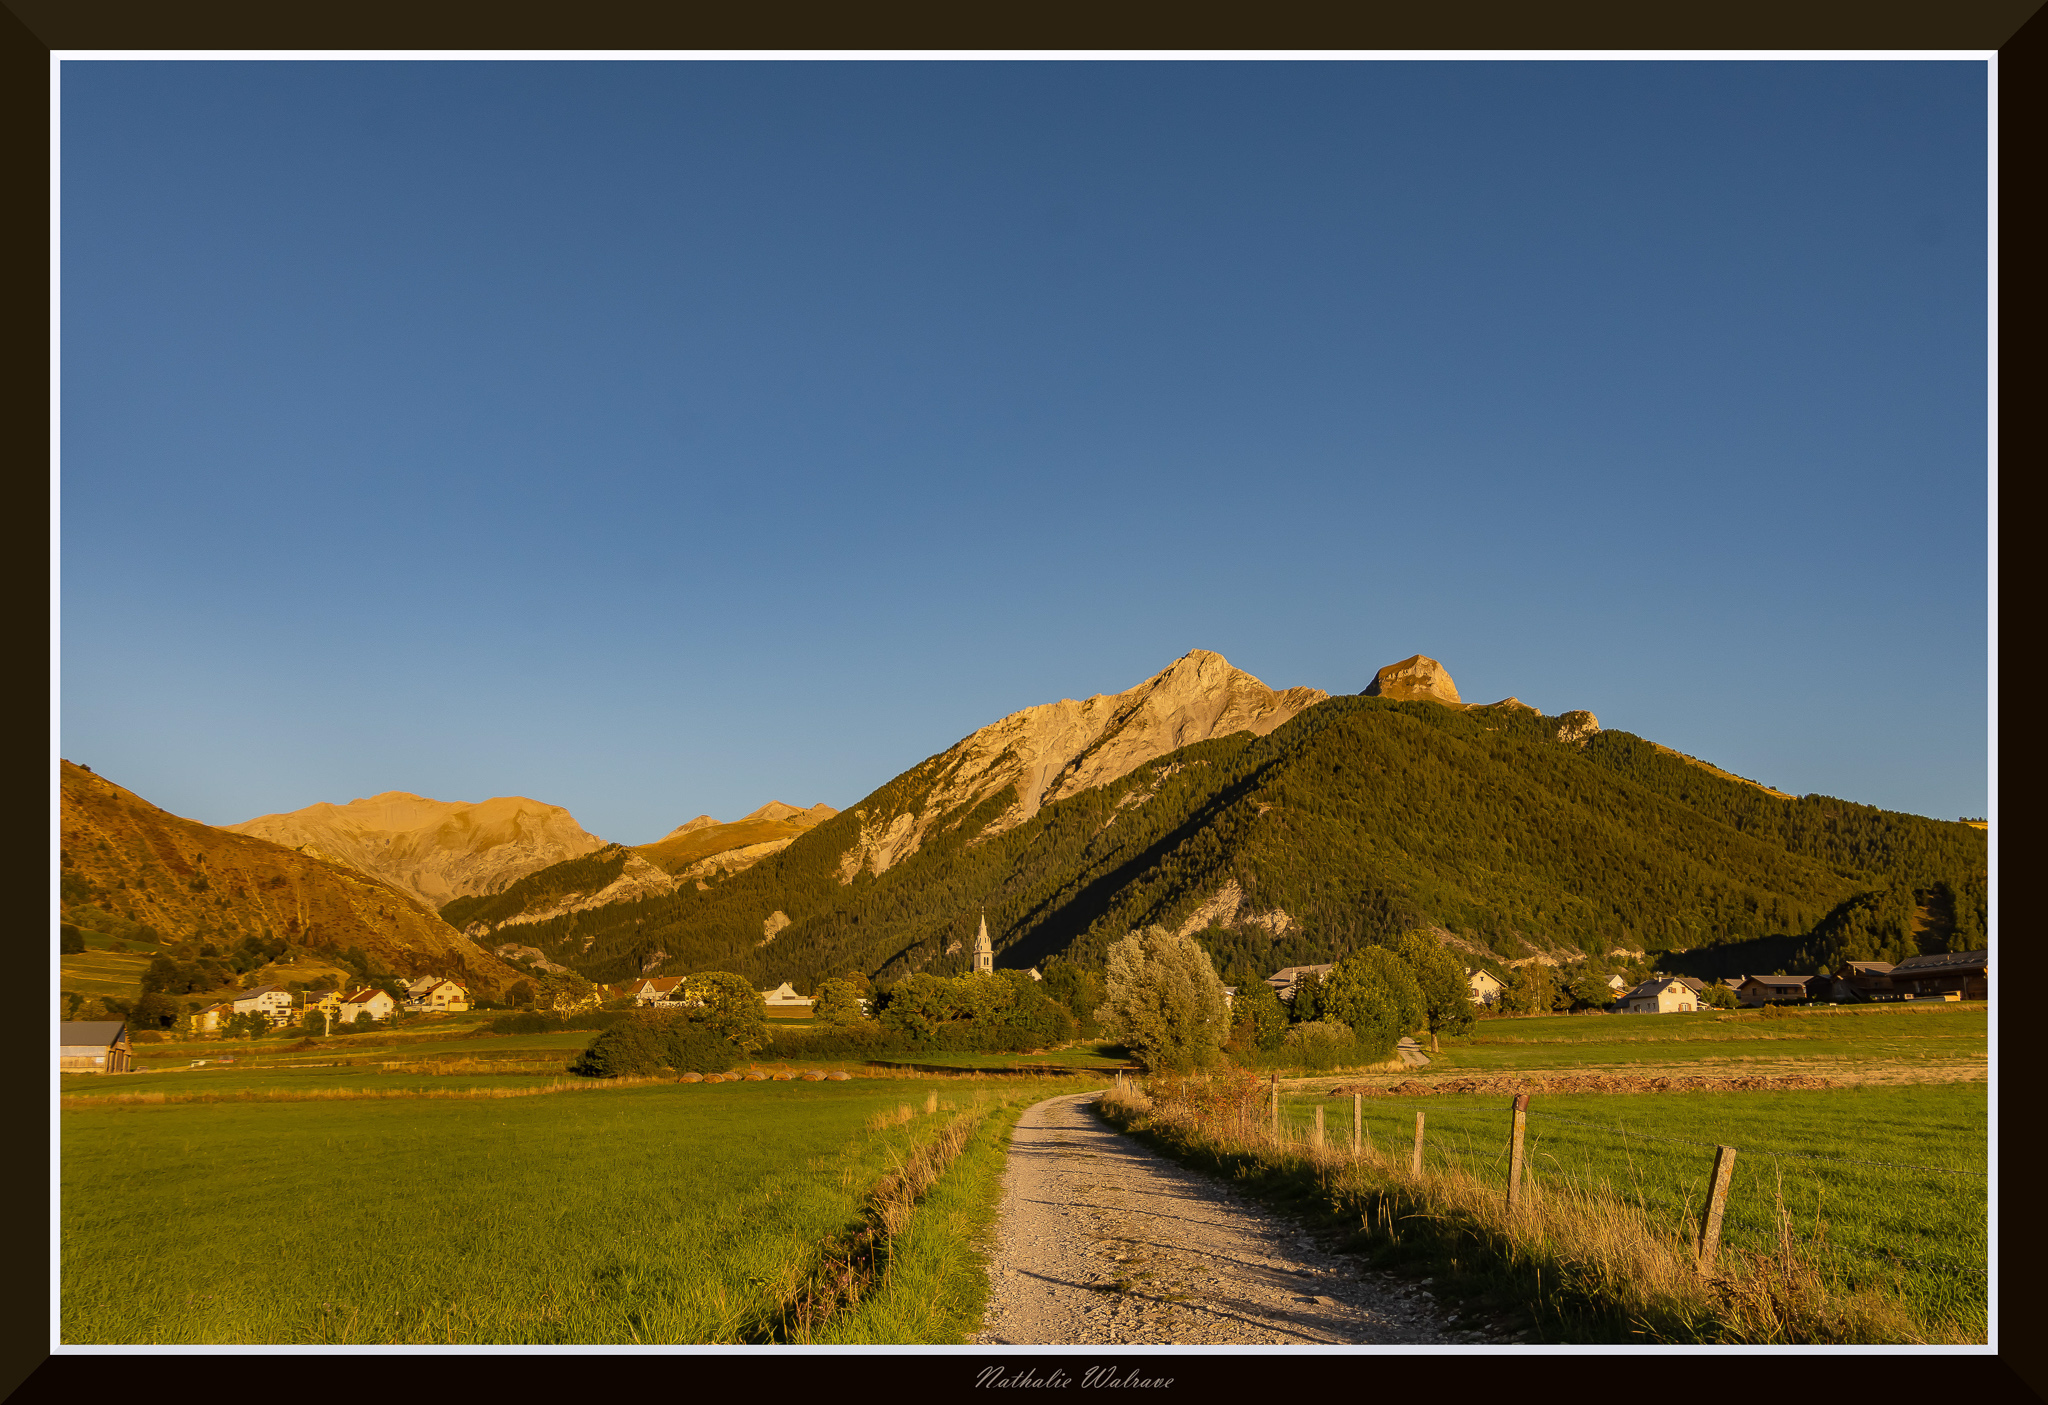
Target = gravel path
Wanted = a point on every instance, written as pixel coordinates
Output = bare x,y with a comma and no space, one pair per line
1101,1241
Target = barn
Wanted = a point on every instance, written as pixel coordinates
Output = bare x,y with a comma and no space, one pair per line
92,1046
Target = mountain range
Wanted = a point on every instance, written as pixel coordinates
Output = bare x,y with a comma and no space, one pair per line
1278,826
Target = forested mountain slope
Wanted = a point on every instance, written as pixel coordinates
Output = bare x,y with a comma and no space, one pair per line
1359,815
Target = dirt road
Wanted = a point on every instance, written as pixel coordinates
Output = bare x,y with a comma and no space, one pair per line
1101,1242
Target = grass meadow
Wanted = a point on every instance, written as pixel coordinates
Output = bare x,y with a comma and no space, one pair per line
1916,1229
653,1213
1824,1040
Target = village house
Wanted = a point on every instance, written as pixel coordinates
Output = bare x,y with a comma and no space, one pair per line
92,1046
209,1020
1774,990
1617,984
1966,974
1485,989
1229,998
783,1000
1863,980
1661,995
1283,979
273,1002
655,989
370,1000
436,993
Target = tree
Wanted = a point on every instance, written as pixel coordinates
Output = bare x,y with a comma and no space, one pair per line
1720,997
70,941
1376,993
729,1006
153,1011
1163,1000
1531,990
1446,996
1307,1004
1258,1020
839,1003
1077,987
521,994
250,1024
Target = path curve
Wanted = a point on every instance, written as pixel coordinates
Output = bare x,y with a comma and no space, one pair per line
1100,1241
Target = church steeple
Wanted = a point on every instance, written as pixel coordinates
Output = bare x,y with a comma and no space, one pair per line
984,954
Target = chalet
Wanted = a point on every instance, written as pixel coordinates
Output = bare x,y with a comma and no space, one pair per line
783,1000
1661,995
1229,997
1485,989
436,993
371,1000
1283,979
92,1046
1617,984
1774,990
273,1002
655,989
1966,974
1863,980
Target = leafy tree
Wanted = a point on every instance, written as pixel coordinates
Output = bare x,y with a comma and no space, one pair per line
1446,996
153,1011
521,994
1720,997
1531,990
70,941
250,1024
1319,1043
839,1002
729,1006
1258,1019
1078,988
1307,1004
1375,992
1163,1000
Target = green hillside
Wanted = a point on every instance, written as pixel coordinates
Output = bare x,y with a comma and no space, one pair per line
1359,816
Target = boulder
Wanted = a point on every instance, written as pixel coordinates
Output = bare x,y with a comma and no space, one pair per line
1576,726
692,1078
1414,679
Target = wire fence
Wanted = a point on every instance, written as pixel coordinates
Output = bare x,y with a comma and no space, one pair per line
1917,1228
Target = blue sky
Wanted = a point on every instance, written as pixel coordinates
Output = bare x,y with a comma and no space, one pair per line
661,438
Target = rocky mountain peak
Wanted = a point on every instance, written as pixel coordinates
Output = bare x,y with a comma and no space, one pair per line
1418,678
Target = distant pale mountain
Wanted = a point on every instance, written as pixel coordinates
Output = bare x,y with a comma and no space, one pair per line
437,850
697,853
126,857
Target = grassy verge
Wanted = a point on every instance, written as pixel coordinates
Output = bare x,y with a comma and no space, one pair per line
1570,1263
936,1285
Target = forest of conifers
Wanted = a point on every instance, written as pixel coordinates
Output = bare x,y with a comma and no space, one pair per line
1358,817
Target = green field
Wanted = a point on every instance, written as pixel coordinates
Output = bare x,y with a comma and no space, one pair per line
1917,1228
1828,1039
652,1213
95,972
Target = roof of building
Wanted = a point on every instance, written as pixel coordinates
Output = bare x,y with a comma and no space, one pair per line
661,985
1781,980
1696,987
1653,986
1942,961
1288,975
981,946
367,993
260,990
96,1032
1880,967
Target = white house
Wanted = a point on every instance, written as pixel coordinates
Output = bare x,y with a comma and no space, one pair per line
377,1003
785,999
209,1020
1660,995
273,1002
655,989
1485,989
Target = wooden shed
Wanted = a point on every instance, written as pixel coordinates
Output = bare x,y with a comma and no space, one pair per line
92,1046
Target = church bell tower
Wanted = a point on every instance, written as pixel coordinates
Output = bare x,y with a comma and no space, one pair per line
984,954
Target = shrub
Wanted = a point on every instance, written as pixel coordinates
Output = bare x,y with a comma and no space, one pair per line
1320,1044
1258,1019
646,1042
839,1002
70,941
1375,993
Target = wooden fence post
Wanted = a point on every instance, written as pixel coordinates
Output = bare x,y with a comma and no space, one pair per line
1717,1201
1416,1165
1357,1121
1515,1149
1276,1109
1317,1138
